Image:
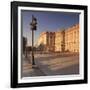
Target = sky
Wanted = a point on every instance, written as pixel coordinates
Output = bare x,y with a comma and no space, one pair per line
46,21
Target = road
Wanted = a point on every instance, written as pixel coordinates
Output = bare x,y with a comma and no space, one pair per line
51,64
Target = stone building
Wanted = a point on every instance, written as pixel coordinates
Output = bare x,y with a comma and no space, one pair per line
61,40
47,41
42,39
72,39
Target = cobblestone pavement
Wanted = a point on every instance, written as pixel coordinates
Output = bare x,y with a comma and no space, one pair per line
27,69
51,64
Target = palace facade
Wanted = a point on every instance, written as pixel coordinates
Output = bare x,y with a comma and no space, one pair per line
72,39
61,40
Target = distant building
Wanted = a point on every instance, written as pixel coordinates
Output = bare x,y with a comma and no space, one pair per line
24,41
60,41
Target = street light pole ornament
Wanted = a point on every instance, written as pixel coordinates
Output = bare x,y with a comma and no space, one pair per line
33,23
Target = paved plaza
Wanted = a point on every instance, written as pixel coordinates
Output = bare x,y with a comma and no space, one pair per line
50,64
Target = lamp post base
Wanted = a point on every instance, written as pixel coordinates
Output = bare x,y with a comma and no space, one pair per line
33,63
34,66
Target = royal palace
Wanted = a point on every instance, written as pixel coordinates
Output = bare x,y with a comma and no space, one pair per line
61,40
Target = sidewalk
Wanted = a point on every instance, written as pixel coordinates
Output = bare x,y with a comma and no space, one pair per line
58,66
50,65
28,71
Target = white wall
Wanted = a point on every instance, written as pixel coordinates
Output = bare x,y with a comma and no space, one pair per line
5,46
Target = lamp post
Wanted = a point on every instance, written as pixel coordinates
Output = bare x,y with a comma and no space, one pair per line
33,28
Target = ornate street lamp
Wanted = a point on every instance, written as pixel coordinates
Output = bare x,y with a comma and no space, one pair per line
33,25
